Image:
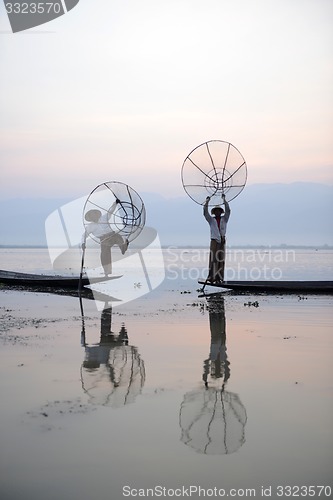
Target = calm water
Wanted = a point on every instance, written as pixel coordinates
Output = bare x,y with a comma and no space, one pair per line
191,264
227,394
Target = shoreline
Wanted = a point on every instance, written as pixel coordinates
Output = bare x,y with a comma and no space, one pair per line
201,247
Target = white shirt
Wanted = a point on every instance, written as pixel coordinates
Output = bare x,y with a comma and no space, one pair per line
100,228
217,232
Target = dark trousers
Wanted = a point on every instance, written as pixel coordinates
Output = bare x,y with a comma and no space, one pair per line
106,243
216,260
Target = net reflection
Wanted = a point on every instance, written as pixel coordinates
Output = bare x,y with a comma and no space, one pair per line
212,419
112,373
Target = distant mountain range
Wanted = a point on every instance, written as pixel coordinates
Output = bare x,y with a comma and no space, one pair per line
263,214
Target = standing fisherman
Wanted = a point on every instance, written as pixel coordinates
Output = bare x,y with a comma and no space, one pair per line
99,227
218,227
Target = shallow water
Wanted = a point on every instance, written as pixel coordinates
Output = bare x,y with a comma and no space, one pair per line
232,393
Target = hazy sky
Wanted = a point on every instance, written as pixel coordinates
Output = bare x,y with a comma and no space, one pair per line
125,89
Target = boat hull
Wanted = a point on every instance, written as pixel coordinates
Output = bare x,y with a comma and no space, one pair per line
325,287
47,281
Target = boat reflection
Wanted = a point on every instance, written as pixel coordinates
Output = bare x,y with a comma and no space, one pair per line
212,419
112,373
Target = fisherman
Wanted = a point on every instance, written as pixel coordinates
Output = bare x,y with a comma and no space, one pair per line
218,225
100,228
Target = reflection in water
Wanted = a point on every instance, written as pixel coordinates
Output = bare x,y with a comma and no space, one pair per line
216,367
212,419
112,372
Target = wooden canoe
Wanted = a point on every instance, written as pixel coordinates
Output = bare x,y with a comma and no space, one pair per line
323,287
47,281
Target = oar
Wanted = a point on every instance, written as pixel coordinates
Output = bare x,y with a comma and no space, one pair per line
204,285
83,328
82,260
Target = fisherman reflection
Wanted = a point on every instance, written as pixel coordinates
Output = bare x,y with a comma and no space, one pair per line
217,366
212,419
112,372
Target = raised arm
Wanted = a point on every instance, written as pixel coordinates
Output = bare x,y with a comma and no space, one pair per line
112,208
205,210
227,210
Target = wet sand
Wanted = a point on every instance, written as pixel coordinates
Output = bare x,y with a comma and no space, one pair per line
168,390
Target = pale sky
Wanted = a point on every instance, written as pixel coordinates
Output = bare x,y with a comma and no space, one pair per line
124,89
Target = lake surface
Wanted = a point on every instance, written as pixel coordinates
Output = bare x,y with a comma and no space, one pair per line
189,264
168,393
